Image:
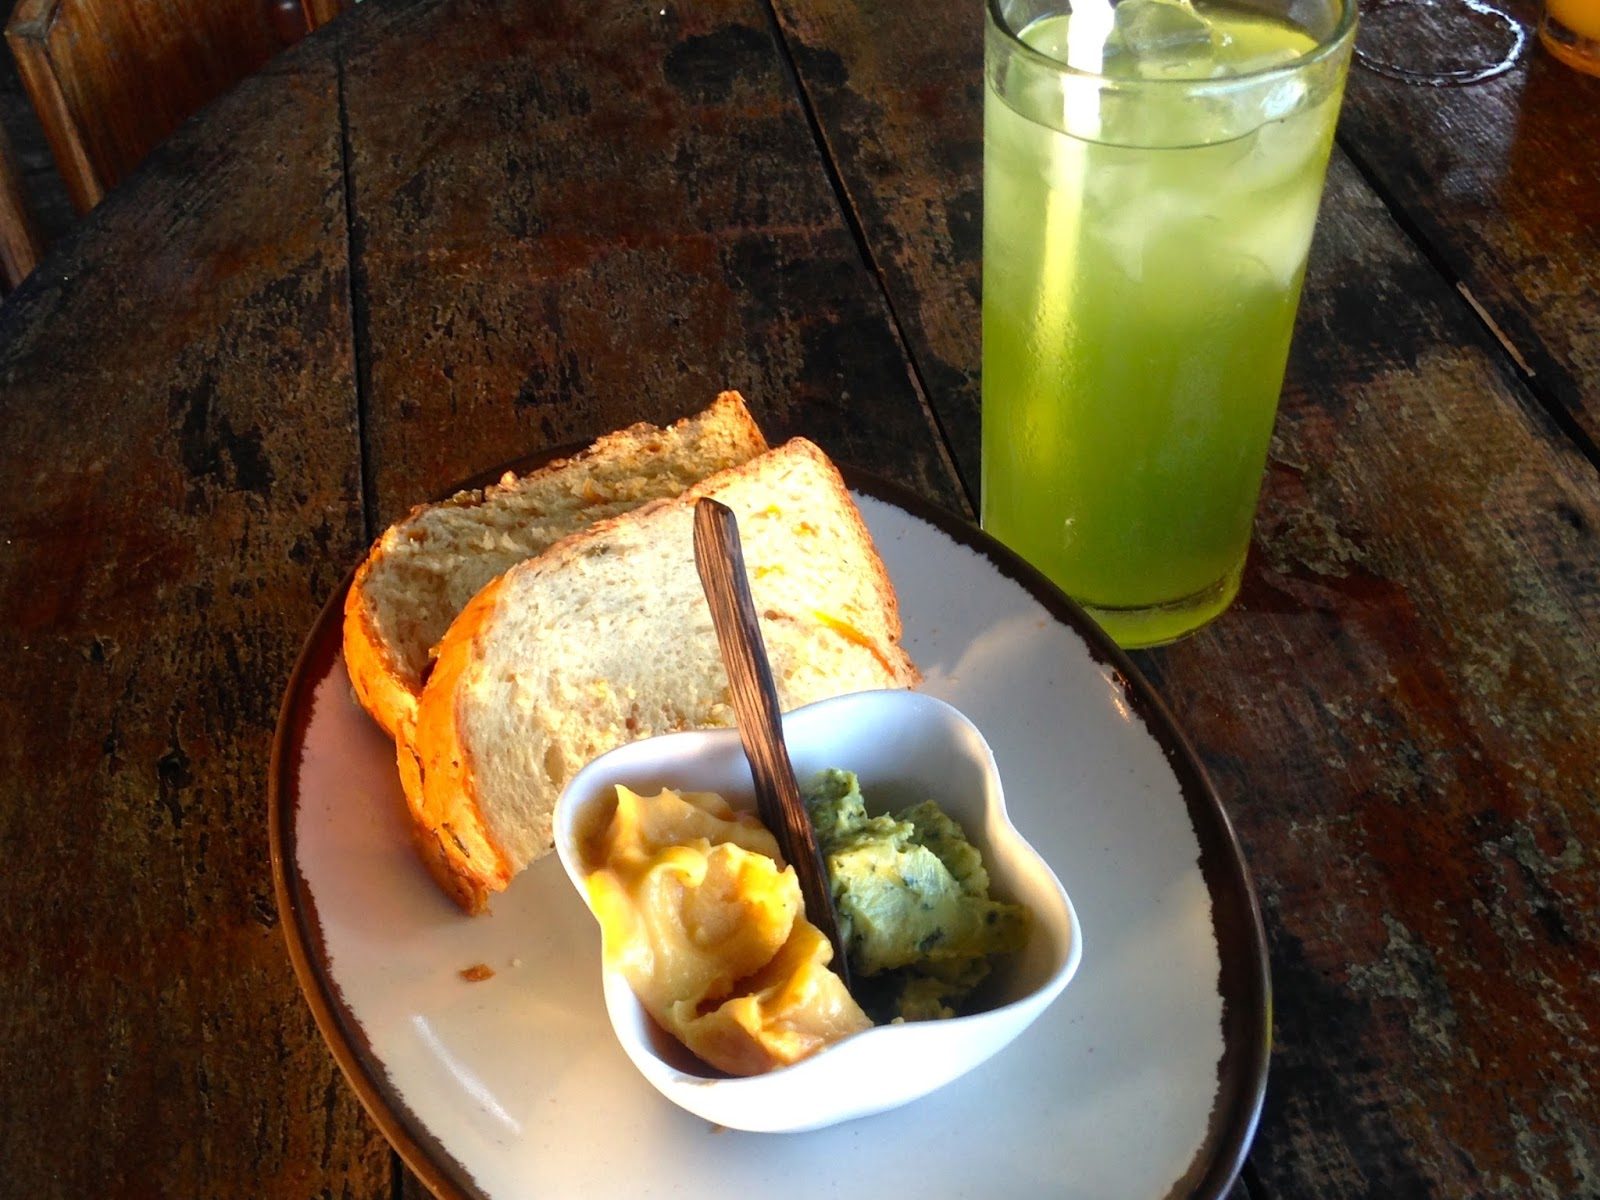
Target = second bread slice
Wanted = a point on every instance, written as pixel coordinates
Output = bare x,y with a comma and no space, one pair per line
607,638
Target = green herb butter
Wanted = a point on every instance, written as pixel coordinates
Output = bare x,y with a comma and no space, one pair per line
912,898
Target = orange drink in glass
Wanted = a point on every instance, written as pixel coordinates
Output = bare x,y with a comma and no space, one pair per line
1571,31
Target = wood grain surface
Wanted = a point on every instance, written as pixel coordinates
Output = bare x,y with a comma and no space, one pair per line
438,235
1498,181
182,495
571,214
897,92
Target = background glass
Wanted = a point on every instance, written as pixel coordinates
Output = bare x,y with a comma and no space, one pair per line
1571,31
1145,240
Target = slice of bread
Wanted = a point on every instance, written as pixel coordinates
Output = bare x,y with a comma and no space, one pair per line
607,638
420,574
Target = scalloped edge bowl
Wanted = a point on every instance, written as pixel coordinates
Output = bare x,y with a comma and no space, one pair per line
905,747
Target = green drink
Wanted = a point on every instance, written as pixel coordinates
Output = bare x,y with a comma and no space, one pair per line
1147,216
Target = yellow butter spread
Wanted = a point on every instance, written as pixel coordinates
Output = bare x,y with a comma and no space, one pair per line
698,914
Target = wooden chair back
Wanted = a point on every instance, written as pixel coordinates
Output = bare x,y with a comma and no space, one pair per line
19,240
111,78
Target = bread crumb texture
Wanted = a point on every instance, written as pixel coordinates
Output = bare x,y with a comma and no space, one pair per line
608,637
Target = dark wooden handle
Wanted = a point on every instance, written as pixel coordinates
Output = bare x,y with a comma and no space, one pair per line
719,557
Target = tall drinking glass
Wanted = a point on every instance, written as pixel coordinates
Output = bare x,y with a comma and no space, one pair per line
1152,174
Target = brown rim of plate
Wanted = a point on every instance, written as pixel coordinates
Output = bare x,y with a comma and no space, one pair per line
1244,982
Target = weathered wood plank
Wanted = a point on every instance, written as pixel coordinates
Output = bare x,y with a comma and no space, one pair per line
1501,178
1403,715
571,216
1403,711
181,454
898,92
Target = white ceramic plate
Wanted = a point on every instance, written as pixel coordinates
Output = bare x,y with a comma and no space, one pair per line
1143,1080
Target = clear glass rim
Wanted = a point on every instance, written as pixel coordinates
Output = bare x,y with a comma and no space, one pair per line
1343,32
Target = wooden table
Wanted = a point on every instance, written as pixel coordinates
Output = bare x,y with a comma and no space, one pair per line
438,235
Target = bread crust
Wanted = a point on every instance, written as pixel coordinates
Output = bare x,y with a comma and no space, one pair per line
437,776
381,687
